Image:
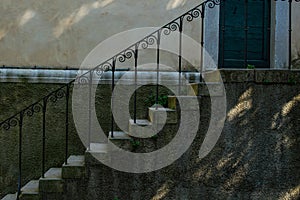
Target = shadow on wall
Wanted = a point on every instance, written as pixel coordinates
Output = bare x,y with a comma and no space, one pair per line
45,33
258,155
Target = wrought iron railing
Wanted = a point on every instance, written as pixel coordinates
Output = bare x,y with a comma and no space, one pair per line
63,93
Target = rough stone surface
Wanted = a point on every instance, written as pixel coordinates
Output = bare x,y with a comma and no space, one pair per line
155,115
52,182
257,156
75,169
30,191
9,197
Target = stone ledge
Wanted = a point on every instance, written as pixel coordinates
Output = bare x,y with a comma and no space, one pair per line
238,75
260,76
277,76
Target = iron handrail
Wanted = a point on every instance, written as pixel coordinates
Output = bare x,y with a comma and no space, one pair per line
110,64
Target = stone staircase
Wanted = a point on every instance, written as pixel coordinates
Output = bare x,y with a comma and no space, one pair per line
55,181
52,185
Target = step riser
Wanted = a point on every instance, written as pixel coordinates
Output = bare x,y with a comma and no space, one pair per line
30,197
74,169
51,186
158,116
73,172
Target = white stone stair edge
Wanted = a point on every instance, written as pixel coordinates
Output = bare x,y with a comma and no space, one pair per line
32,187
10,197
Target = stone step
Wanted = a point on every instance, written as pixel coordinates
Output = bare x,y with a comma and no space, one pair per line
142,128
119,135
97,151
99,147
162,115
120,139
30,191
75,168
192,89
140,122
10,197
52,182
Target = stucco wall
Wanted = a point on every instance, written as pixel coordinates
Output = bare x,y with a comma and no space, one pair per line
62,32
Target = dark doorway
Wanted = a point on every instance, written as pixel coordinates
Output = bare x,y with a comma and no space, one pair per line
244,34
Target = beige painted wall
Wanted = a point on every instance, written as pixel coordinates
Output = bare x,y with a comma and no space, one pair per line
62,32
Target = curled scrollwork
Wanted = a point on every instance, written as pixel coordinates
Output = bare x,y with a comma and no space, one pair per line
9,123
83,79
212,3
193,14
171,27
146,42
99,70
59,94
35,108
127,54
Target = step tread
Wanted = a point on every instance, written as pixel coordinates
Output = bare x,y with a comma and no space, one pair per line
53,174
32,187
99,147
119,135
75,160
10,197
162,109
185,96
140,122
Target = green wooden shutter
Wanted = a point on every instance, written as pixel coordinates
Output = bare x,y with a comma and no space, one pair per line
237,45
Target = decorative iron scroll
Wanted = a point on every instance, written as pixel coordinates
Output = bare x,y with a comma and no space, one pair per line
148,41
126,54
35,108
9,123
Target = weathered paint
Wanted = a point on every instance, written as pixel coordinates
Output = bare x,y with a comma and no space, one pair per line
61,33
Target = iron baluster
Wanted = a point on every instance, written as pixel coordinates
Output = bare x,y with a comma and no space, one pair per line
157,67
90,109
44,136
67,124
202,41
21,116
180,53
135,80
112,90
